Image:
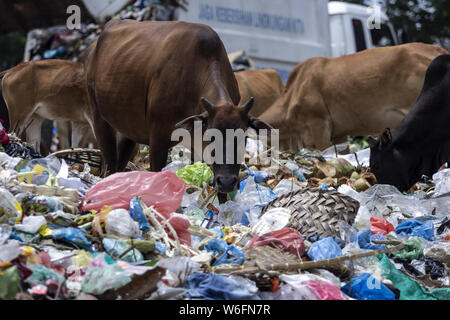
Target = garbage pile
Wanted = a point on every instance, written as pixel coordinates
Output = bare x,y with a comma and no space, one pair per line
302,230
61,43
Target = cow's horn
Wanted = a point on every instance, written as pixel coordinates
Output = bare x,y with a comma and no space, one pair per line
207,105
249,105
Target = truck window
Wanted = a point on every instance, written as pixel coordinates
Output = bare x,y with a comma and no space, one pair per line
359,35
382,37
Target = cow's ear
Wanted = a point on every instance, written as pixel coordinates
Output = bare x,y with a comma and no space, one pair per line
258,124
386,137
188,123
372,142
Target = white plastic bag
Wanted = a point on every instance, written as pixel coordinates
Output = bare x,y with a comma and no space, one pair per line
119,223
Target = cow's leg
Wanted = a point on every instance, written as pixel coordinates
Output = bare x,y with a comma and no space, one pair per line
106,138
63,128
125,150
317,134
159,150
34,133
79,129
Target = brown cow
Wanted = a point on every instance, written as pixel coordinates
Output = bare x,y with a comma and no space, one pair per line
360,94
47,89
144,78
264,85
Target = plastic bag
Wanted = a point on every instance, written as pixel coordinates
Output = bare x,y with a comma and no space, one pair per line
324,249
254,196
365,239
119,223
231,213
73,236
137,214
380,226
163,190
216,287
9,251
366,287
196,174
10,207
230,254
41,274
174,166
9,283
99,280
285,186
413,249
286,239
312,287
44,204
272,220
441,180
116,247
409,288
32,224
417,228
5,232
439,251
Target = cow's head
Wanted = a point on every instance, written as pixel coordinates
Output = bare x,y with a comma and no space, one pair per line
389,165
223,117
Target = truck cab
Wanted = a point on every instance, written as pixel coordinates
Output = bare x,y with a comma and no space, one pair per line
350,31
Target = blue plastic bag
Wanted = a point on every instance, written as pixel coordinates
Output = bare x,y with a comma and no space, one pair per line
366,287
215,287
365,239
259,176
218,245
416,228
324,249
73,236
137,214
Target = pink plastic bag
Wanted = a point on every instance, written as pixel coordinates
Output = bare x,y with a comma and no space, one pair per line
324,290
163,190
286,239
380,226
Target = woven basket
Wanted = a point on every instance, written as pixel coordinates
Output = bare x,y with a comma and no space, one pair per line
92,157
316,211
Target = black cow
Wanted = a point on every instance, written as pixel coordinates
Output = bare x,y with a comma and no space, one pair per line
421,143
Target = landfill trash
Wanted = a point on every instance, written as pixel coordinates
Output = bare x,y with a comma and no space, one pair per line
413,249
9,283
147,235
272,220
310,287
380,226
286,239
366,287
119,223
414,227
324,249
163,190
216,287
285,186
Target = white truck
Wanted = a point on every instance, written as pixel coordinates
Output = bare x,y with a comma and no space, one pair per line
279,34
